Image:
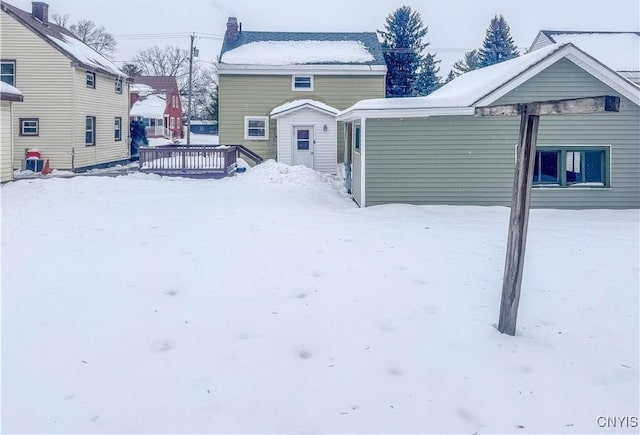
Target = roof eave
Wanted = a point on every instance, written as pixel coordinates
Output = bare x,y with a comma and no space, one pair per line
417,112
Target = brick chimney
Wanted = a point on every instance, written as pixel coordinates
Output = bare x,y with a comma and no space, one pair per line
40,11
232,32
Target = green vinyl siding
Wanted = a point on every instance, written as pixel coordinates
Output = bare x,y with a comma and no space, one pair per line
257,95
469,160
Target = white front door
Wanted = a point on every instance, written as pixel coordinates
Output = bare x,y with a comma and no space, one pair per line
303,146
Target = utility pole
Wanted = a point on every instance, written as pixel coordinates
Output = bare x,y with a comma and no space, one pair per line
193,36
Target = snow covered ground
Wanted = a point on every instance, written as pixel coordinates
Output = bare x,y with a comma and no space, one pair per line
269,303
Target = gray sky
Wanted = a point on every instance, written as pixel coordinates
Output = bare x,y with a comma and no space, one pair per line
455,26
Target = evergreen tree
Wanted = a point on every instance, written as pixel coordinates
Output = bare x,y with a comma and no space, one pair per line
428,80
470,62
403,46
450,77
498,45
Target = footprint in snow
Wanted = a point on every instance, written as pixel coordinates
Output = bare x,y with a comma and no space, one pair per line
163,346
305,354
171,293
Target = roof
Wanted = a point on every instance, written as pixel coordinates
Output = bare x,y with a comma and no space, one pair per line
620,51
157,83
65,42
296,105
9,93
152,107
484,86
303,48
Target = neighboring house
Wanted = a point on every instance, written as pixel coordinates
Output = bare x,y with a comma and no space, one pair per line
624,59
76,102
155,100
314,75
8,95
198,126
433,150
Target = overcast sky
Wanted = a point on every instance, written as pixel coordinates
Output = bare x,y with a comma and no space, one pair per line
455,26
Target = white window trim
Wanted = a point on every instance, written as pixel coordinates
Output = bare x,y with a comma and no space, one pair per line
93,79
293,83
256,118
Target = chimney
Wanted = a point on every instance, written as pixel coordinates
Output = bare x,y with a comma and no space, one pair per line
40,11
231,35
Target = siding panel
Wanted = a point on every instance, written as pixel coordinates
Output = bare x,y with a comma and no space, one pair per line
469,160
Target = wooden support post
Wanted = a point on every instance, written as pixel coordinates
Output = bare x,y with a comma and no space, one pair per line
529,120
517,238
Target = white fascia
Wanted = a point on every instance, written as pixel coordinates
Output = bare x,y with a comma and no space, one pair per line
405,113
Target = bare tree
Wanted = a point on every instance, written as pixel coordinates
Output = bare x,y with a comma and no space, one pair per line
174,62
95,37
61,20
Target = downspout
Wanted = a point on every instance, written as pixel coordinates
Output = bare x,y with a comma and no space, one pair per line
363,162
73,117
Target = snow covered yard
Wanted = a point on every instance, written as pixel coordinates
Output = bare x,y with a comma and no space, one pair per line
269,303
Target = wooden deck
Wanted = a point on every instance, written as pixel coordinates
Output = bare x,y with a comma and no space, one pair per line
197,161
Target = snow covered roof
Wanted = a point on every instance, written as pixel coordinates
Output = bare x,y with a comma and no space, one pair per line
141,89
298,48
298,52
152,107
160,84
65,42
295,105
620,51
84,54
9,93
486,85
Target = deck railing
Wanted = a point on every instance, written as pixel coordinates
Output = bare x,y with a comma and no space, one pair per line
194,160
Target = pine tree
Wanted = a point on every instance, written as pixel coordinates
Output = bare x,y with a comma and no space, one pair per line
450,77
498,45
427,80
403,46
470,62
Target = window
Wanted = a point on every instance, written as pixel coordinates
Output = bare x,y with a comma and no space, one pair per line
303,139
117,129
172,123
90,131
572,166
302,83
356,138
118,85
8,72
256,128
91,79
29,127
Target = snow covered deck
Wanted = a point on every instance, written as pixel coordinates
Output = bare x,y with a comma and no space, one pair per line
201,161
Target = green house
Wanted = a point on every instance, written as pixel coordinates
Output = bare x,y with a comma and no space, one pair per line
279,91
433,150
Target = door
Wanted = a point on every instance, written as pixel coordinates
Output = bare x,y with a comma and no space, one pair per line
303,146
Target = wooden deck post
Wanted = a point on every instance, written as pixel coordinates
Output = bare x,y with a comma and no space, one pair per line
525,163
